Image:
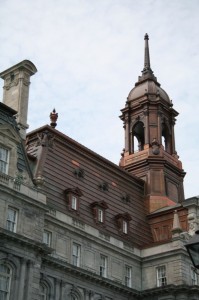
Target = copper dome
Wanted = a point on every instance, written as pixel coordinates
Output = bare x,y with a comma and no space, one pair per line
151,88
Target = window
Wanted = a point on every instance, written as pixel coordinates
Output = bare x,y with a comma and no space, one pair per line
3,160
74,202
99,211
123,222
47,237
103,266
128,276
161,276
76,255
194,277
5,281
137,137
125,227
100,215
43,292
166,137
73,196
11,223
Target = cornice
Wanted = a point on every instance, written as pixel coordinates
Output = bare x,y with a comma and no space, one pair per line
94,278
83,233
23,194
7,236
171,289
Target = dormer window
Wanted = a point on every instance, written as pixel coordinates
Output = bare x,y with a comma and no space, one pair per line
4,160
123,222
74,202
99,209
125,227
73,198
100,215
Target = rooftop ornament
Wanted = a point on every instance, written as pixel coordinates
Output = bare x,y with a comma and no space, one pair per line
53,118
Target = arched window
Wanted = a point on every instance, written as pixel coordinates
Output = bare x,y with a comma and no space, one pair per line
44,292
166,138
138,137
75,294
5,281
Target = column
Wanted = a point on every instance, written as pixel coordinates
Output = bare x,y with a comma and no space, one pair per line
22,279
173,136
126,128
29,277
146,125
159,137
57,288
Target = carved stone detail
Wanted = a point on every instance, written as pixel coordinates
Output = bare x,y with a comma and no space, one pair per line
45,139
155,147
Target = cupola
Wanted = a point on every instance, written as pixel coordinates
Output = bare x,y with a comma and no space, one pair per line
149,152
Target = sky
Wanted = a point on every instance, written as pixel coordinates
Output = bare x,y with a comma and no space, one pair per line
89,54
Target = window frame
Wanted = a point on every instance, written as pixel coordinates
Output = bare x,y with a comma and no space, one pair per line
4,163
103,265
194,276
125,226
161,276
48,239
43,292
70,195
44,289
73,297
128,276
99,211
12,222
74,202
8,277
76,256
123,223
100,215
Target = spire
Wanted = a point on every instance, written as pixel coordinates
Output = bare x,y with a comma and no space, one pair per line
147,66
147,72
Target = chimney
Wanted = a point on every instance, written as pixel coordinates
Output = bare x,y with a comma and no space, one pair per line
16,91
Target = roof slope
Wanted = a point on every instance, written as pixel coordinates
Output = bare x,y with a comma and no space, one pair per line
7,120
59,159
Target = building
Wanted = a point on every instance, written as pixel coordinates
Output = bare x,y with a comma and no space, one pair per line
73,225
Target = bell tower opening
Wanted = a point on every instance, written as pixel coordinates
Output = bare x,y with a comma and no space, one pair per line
166,138
138,137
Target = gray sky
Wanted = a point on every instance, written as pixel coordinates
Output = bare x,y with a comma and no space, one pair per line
89,54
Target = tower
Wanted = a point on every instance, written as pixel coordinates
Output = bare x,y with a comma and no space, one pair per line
149,153
16,90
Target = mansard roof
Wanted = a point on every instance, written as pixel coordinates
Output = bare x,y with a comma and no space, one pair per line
9,127
57,159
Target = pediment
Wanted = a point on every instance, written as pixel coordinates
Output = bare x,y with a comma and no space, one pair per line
7,130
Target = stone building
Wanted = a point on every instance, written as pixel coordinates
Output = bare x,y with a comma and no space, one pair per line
73,225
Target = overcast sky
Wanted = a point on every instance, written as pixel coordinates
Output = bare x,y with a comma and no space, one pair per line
89,54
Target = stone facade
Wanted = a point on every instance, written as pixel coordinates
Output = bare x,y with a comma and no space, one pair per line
75,226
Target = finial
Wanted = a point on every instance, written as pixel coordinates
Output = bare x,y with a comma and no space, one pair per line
176,230
53,118
146,37
146,55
